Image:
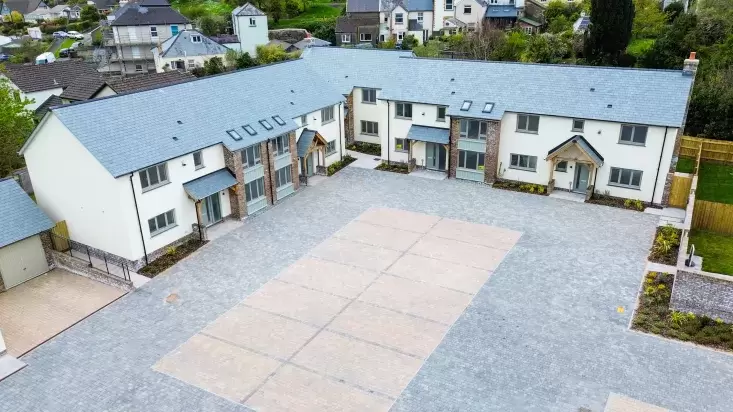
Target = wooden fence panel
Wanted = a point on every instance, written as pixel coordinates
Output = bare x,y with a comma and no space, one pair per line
713,216
680,191
61,239
712,150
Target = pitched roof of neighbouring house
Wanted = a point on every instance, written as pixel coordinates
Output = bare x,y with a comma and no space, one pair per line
428,134
139,128
499,11
419,5
133,14
147,81
362,6
22,6
104,4
84,87
52,100
59,74
349,24
311,42
181,45
247,9
20,217
556,90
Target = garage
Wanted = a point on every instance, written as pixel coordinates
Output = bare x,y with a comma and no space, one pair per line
21,251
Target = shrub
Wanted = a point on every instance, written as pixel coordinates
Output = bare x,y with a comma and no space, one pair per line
633,204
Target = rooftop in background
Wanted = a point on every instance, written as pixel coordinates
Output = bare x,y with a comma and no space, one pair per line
349,24
498,11
247,9
20,218
182,45
147,12
372,6
34,78
52,100
22,6
148,81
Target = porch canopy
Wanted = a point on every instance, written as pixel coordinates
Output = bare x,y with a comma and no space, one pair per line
309,140
207,185
575,149
428,134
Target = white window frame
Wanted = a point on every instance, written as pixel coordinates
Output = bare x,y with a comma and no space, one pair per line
369,96
139,68
169,220
346,38
145,174
575,124
200,163
401,35
633,138
449,4
154,32
519,157
526,122
402,107
195,38
330,147
404,145
304,120
251,156
463,160
561,166
327,115
438,117
365,37
420,16
466,9
399,18
618,182
366,125
252,22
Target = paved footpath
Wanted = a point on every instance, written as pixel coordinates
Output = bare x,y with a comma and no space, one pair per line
543,333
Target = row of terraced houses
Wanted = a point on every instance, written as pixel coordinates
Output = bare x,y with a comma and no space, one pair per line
134,173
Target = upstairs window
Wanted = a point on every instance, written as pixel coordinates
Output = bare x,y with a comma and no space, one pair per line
473,129
441,114
528,123
327,115
420,16
252,22
404,110
154,176
488,107
368,95
399,18
467,9
198,160
251,156
266,124
578,125
466,106
304,120
633,134
153,31
281,144
249,129
449,4
279,120
174,30
234,135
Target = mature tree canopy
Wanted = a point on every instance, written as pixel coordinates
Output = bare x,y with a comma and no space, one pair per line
649,19
610,30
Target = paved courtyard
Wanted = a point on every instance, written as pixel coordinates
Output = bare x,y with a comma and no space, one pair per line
543,333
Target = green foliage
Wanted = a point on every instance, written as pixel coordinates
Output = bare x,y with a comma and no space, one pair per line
389,43
633,204
339,164
90,13
716,250
214,65
28,51
409,42
239,60
368,148
16,17
666,245
16,124
610,30
211,25
674,10
512,47
532,188
430,49
170,250
546,48
325,31
267,54
639,47
649,19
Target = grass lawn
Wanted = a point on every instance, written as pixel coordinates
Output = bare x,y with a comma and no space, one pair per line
686,165
715,249
317,12
638,47
715,182
64,45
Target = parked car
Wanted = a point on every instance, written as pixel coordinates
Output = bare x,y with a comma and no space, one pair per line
4,57
75,45
75,35
59,35
65,52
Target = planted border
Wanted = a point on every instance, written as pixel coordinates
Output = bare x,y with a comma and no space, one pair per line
339,164
666,245
172,256
366,148
394,167
521,187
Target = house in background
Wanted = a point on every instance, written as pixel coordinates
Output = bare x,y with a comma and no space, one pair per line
21,6
185,51
94,86
250,26
39,82
353,30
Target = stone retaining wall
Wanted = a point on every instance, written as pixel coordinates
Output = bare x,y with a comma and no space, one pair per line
82,268
703,294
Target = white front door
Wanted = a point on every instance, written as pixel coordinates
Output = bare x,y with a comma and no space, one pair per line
21,261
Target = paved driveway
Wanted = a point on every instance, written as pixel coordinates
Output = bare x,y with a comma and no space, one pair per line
42,307
543,332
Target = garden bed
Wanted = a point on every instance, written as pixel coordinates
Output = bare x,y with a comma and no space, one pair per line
338,165
366,148
172,256
521,187
630,204
654,316
666,246
394,167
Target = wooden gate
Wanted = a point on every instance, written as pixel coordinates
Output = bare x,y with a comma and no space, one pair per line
60,237
679,193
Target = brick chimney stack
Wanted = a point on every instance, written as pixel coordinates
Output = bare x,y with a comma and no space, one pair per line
689,68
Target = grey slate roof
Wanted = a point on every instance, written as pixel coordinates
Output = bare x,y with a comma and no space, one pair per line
584,144
19,216
52,100
304,141
546,89
311,42
22,6
209,184
247,9
129,140
349,24
37,77
362,6
84,87
428,134
143,15
148,81
419,5
181,45
498,11
414,25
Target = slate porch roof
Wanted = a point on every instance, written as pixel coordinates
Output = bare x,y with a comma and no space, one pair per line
84,87
428,134
147,81
20,217
207,185
583,144
306,139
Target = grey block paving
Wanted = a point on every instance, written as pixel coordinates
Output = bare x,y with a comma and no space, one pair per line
542,334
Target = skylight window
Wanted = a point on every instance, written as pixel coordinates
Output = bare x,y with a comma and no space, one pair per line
488,107
278,120
234,135
249,129
266,124
466,105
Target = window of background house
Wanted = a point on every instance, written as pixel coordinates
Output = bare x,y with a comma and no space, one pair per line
162,222
195,38
254,189
251,156
365,37
399,18
174,30
625,177
473,129
153,31
400,36
198,160
578,125
404,110
327,114
528,123
252,22
369,127
191,63
284,176
401,145
420,16
281,144
449,4
369,95
633,134
523,162
304,120
467,9
345,38
468,159
138,67
153,177
561,166
330,147
441,114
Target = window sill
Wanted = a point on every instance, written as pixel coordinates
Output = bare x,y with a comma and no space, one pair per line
363,102
624,186
328,121
440,120
199,167
526,131
331,153
561,171
631,143
577,130
403,118
160,232
523,169
369,134
151,188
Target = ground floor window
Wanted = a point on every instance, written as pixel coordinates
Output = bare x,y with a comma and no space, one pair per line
368,127
470,160
625,177
331,147
523,162
561,166
162,222
401,145
254,189
284,176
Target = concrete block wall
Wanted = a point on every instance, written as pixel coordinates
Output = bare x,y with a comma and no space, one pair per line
703,294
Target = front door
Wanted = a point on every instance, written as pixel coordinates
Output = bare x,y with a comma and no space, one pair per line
582,174
309,165
211,209
435,156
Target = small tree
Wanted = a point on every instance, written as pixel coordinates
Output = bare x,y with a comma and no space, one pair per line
409,42
214,65
276,9
430,49
674,10
16,124
89,13
267,54
16,17
211,25
649,19
511,49
610,30
28,51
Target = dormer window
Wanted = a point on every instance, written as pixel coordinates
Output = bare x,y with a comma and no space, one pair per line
488,107
195,38
466,105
